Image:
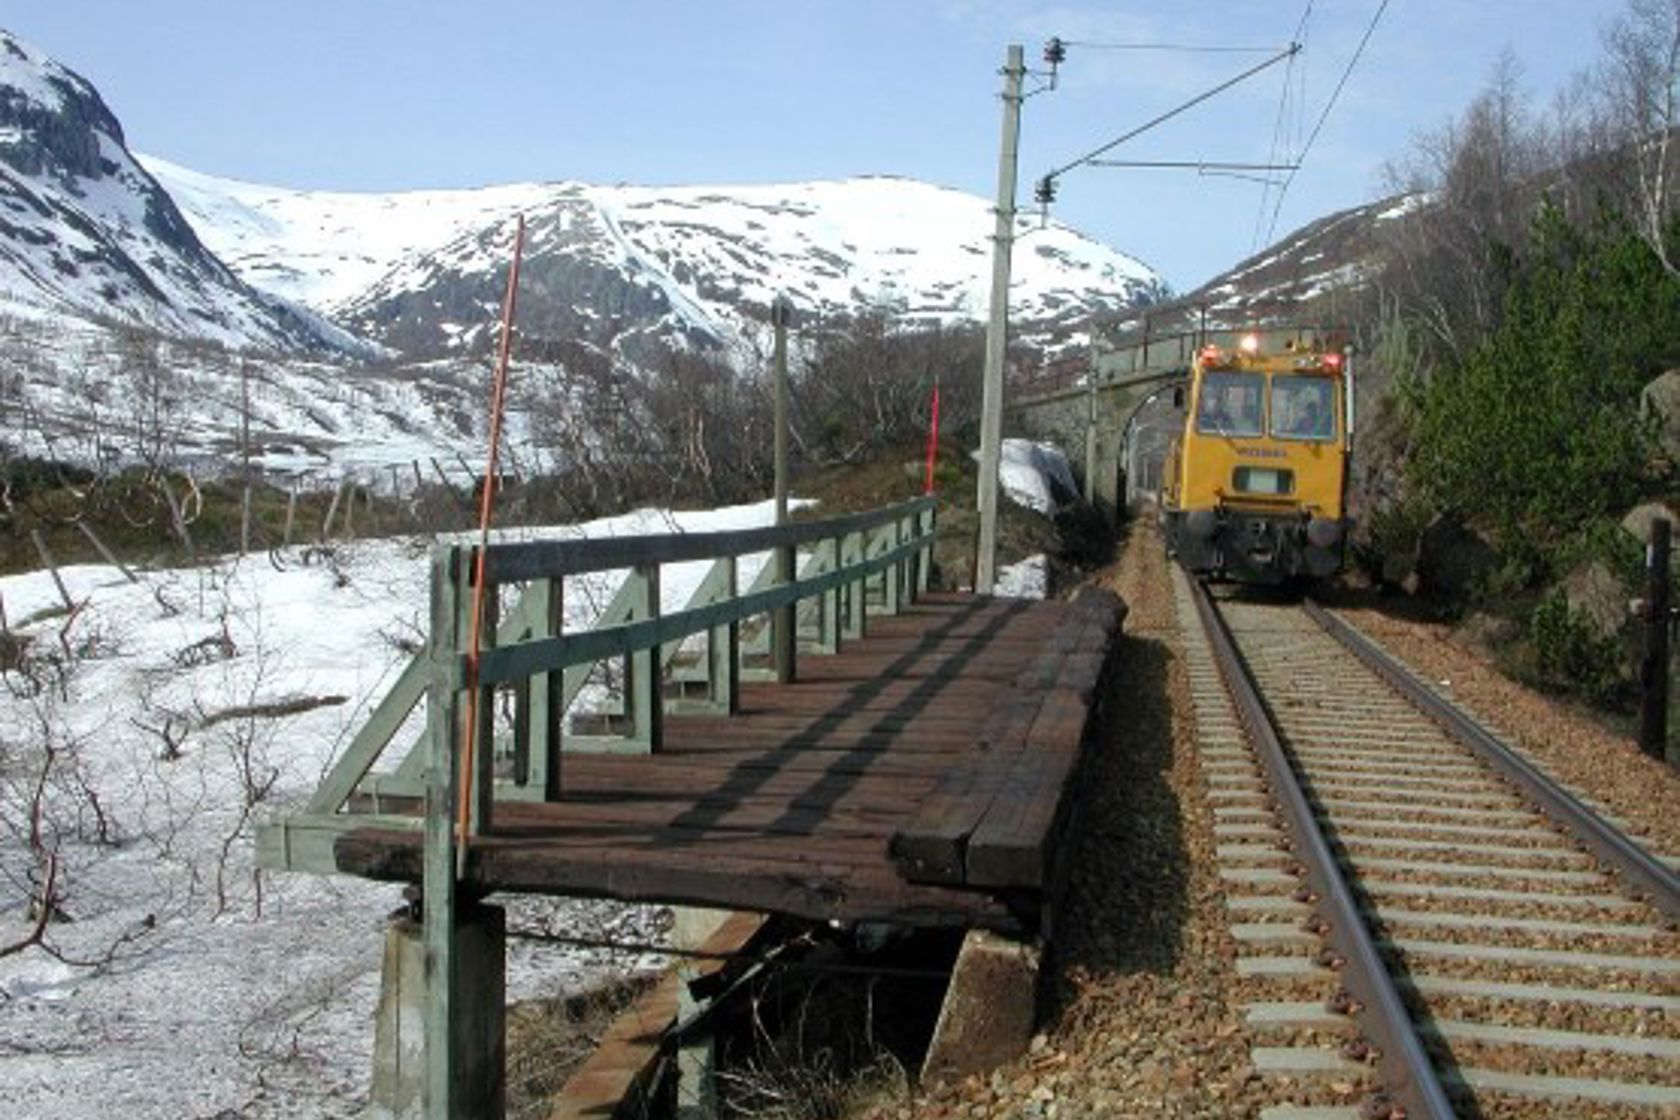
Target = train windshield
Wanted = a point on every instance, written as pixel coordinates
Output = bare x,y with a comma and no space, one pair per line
1230,404
1303,408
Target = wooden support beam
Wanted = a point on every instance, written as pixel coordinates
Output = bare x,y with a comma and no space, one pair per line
442,1090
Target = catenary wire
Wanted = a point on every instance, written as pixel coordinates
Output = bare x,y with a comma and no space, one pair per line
1280,141
1184,48
1359,51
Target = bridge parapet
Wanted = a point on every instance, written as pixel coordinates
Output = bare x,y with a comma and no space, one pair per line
533,670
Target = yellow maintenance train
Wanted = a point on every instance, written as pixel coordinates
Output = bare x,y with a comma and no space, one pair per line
1255,485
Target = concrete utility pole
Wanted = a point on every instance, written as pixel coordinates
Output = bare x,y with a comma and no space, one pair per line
997,327
782,628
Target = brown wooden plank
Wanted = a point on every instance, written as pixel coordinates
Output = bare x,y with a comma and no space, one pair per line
817,889
929,846
933,730
1007,848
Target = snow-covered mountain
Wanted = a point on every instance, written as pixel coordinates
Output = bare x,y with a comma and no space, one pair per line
421,271
85,230
347,331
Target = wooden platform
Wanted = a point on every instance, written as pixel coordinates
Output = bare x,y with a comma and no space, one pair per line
916,777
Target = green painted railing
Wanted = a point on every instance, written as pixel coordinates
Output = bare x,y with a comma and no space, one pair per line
532,670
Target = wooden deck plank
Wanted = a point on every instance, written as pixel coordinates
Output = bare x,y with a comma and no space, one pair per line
944,737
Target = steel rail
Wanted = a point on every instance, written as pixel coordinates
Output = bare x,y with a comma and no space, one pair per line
1410,1076
1649,875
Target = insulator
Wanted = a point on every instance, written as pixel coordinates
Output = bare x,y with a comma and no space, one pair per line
1055,51
1044,193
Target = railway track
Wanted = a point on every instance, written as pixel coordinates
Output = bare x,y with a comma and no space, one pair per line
1415,936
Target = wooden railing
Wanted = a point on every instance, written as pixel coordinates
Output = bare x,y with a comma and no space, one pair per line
533,670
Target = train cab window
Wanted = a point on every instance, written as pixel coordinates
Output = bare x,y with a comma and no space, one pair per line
1229,404
1304,408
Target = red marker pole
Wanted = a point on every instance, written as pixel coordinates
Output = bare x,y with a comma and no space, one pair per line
933,441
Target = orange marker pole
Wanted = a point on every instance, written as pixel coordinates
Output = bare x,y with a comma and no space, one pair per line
498,395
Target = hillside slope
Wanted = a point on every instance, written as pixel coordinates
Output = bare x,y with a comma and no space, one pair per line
86,231
697,266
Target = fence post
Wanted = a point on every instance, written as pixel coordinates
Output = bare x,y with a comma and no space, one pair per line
484,735
723,652
927,523
540,768
852,551
643,699
828,612
890,574
1653,676
441,1087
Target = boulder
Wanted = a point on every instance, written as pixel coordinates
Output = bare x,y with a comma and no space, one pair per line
1638,519
1452,558
1661,399
1596,595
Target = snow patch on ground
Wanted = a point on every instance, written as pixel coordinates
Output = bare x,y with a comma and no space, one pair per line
208,989
1035,474
1030,579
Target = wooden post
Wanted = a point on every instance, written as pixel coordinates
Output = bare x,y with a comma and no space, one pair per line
924,569
484,735
890,574
52,566
245,519
643,696
829,611
723,653
1653,676
110,557
857,590
784,623
442,1090
540,769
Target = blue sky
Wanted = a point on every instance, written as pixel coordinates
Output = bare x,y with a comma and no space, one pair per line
382,94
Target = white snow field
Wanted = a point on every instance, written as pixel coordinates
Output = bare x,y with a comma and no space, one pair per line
181,984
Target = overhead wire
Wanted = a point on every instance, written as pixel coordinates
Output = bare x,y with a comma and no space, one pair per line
1329,105
1279,141
1184,48
1088,157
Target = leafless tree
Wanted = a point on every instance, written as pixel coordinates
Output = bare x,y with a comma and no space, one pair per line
1639,94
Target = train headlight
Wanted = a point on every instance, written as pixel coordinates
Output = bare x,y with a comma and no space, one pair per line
1323,532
